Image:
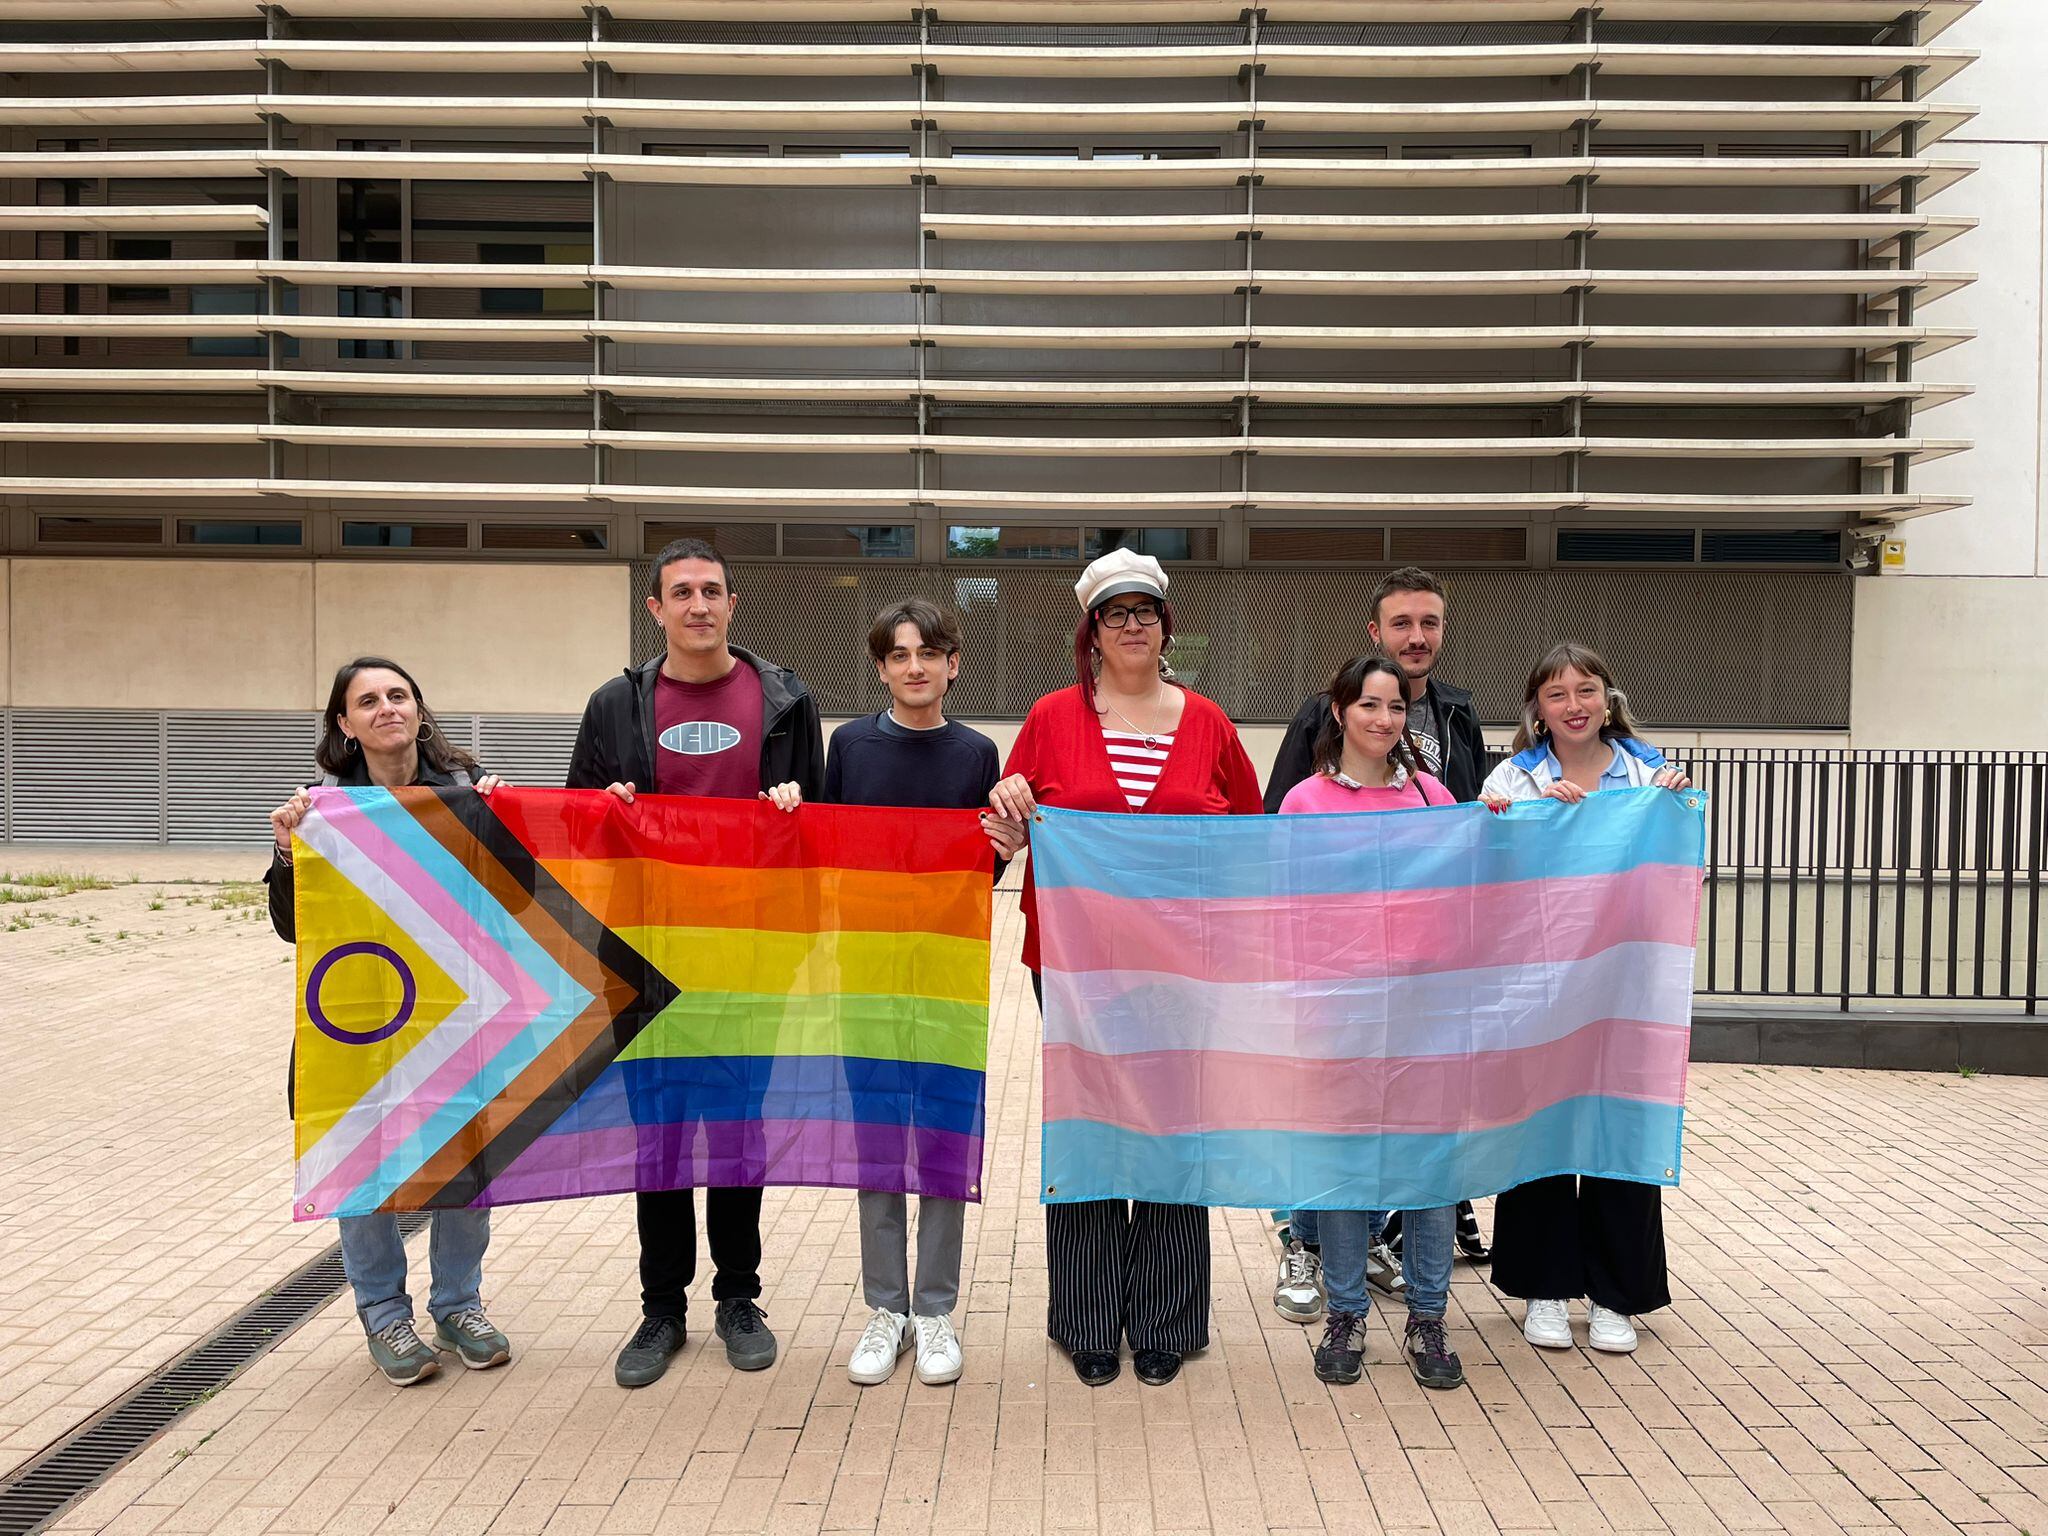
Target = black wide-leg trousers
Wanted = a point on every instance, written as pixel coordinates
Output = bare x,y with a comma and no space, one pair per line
1564,1237
1121,1269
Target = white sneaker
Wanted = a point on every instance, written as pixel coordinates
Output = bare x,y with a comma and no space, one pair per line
1611,1331
1298,1294
938,1350
1548,1325
886,1336
1383,1269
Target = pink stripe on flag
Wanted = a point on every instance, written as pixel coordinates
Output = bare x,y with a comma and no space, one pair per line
1165,1093
1368,933
525,999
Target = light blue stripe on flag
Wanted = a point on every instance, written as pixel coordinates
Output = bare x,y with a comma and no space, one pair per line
1305,1170
1233,857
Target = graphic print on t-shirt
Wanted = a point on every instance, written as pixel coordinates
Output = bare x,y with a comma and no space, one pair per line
700,738
1422,725
708,735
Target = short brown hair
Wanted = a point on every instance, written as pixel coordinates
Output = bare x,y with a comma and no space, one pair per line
935,626
1409,578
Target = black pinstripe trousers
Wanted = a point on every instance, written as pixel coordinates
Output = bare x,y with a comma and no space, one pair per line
1126,1268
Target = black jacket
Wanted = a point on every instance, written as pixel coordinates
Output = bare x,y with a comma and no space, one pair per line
615,744
1464,746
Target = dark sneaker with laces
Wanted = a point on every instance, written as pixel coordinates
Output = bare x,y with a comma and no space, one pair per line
402,1355
474,1341
645,1358
749,1346
1428,1354
1341,1355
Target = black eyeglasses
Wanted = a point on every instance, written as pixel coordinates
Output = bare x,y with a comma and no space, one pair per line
1117,618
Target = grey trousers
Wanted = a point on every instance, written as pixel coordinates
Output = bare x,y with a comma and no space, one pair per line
885,1256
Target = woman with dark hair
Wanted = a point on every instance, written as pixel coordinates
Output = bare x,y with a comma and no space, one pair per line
1125,738
1365,761
1566,1236
377,730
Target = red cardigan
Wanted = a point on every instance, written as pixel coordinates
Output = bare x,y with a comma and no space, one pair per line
1061,754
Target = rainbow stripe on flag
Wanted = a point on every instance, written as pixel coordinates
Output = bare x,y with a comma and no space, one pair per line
1366,1012
549,994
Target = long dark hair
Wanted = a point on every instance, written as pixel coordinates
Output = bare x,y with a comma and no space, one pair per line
335,749
1346,688
1084,643
1564,656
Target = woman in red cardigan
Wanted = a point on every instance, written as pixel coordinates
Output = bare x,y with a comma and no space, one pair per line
1126,737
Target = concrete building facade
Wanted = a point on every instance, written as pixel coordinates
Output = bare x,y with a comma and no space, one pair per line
356,326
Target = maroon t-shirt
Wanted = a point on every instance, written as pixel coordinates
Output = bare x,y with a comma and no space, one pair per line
707,736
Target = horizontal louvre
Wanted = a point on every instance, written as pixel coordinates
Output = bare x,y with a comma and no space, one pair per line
527,749
85,776
226,773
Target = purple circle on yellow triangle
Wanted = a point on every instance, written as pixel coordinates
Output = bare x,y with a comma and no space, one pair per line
334,1031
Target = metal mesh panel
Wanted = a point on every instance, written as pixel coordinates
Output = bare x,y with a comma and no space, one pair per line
223,774
1259,641
86,776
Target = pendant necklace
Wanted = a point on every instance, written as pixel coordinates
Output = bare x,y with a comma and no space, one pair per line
1151,741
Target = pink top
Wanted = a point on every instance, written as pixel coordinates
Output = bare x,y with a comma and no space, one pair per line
1317,794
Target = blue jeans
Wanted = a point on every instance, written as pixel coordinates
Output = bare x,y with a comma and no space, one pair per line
1301,1226
1426,1239
373,1258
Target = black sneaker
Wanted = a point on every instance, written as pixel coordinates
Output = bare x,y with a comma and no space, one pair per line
749,1346
645,1358
1341,1355
1470,1243
1428,1354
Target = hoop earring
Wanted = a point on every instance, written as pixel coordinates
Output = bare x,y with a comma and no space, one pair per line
353,745
425,731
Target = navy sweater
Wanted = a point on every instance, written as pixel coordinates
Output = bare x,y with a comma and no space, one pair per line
875,761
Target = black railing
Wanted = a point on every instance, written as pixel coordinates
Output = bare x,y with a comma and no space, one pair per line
1856,876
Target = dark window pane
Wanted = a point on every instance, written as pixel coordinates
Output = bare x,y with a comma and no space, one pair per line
1013,543
884,541
1160,543
1771,546
1319,544
1418,546
404,536
239,534
100,530
1634,545
735,541
557,538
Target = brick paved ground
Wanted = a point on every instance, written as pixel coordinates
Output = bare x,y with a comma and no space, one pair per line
1860,1339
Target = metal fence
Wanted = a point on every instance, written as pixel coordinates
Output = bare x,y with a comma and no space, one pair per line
1872,876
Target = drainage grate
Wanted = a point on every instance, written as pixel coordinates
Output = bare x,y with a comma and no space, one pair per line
36,1494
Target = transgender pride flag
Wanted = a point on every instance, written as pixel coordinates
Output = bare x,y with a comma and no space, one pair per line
1365,1012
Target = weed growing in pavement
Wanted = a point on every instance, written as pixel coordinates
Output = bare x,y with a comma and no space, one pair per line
239,893
1966,1071
36,884
156,906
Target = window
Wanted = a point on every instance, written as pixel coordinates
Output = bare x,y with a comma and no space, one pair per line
1320,544
736,541
404,536
1160,543
548,538
571,297
1171,152
1455,546
1770,546
1466,152
1018,152
64,529
1324,151
1010,542
704,151
845,152
1633,546
237,533
886,541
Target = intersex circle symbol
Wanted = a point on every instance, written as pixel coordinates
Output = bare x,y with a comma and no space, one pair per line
334,1031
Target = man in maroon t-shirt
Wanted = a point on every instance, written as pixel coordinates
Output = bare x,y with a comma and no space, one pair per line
703,718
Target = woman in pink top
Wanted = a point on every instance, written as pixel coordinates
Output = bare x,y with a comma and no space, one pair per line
1365,760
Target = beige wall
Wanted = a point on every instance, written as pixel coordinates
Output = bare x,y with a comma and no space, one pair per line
1950,661
500,639
161,634
268,634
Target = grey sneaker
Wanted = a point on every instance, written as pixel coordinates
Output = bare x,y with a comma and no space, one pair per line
475,1342
749,1346
1429,1353
402,1355
655,1342
1383,1270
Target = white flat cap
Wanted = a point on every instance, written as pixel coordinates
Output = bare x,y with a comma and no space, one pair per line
1117,574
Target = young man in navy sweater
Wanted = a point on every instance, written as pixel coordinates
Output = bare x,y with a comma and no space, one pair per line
911,754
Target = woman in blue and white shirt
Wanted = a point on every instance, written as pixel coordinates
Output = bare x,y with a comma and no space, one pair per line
1566,1236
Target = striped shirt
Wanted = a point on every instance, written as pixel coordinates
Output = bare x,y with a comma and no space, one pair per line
1135,763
